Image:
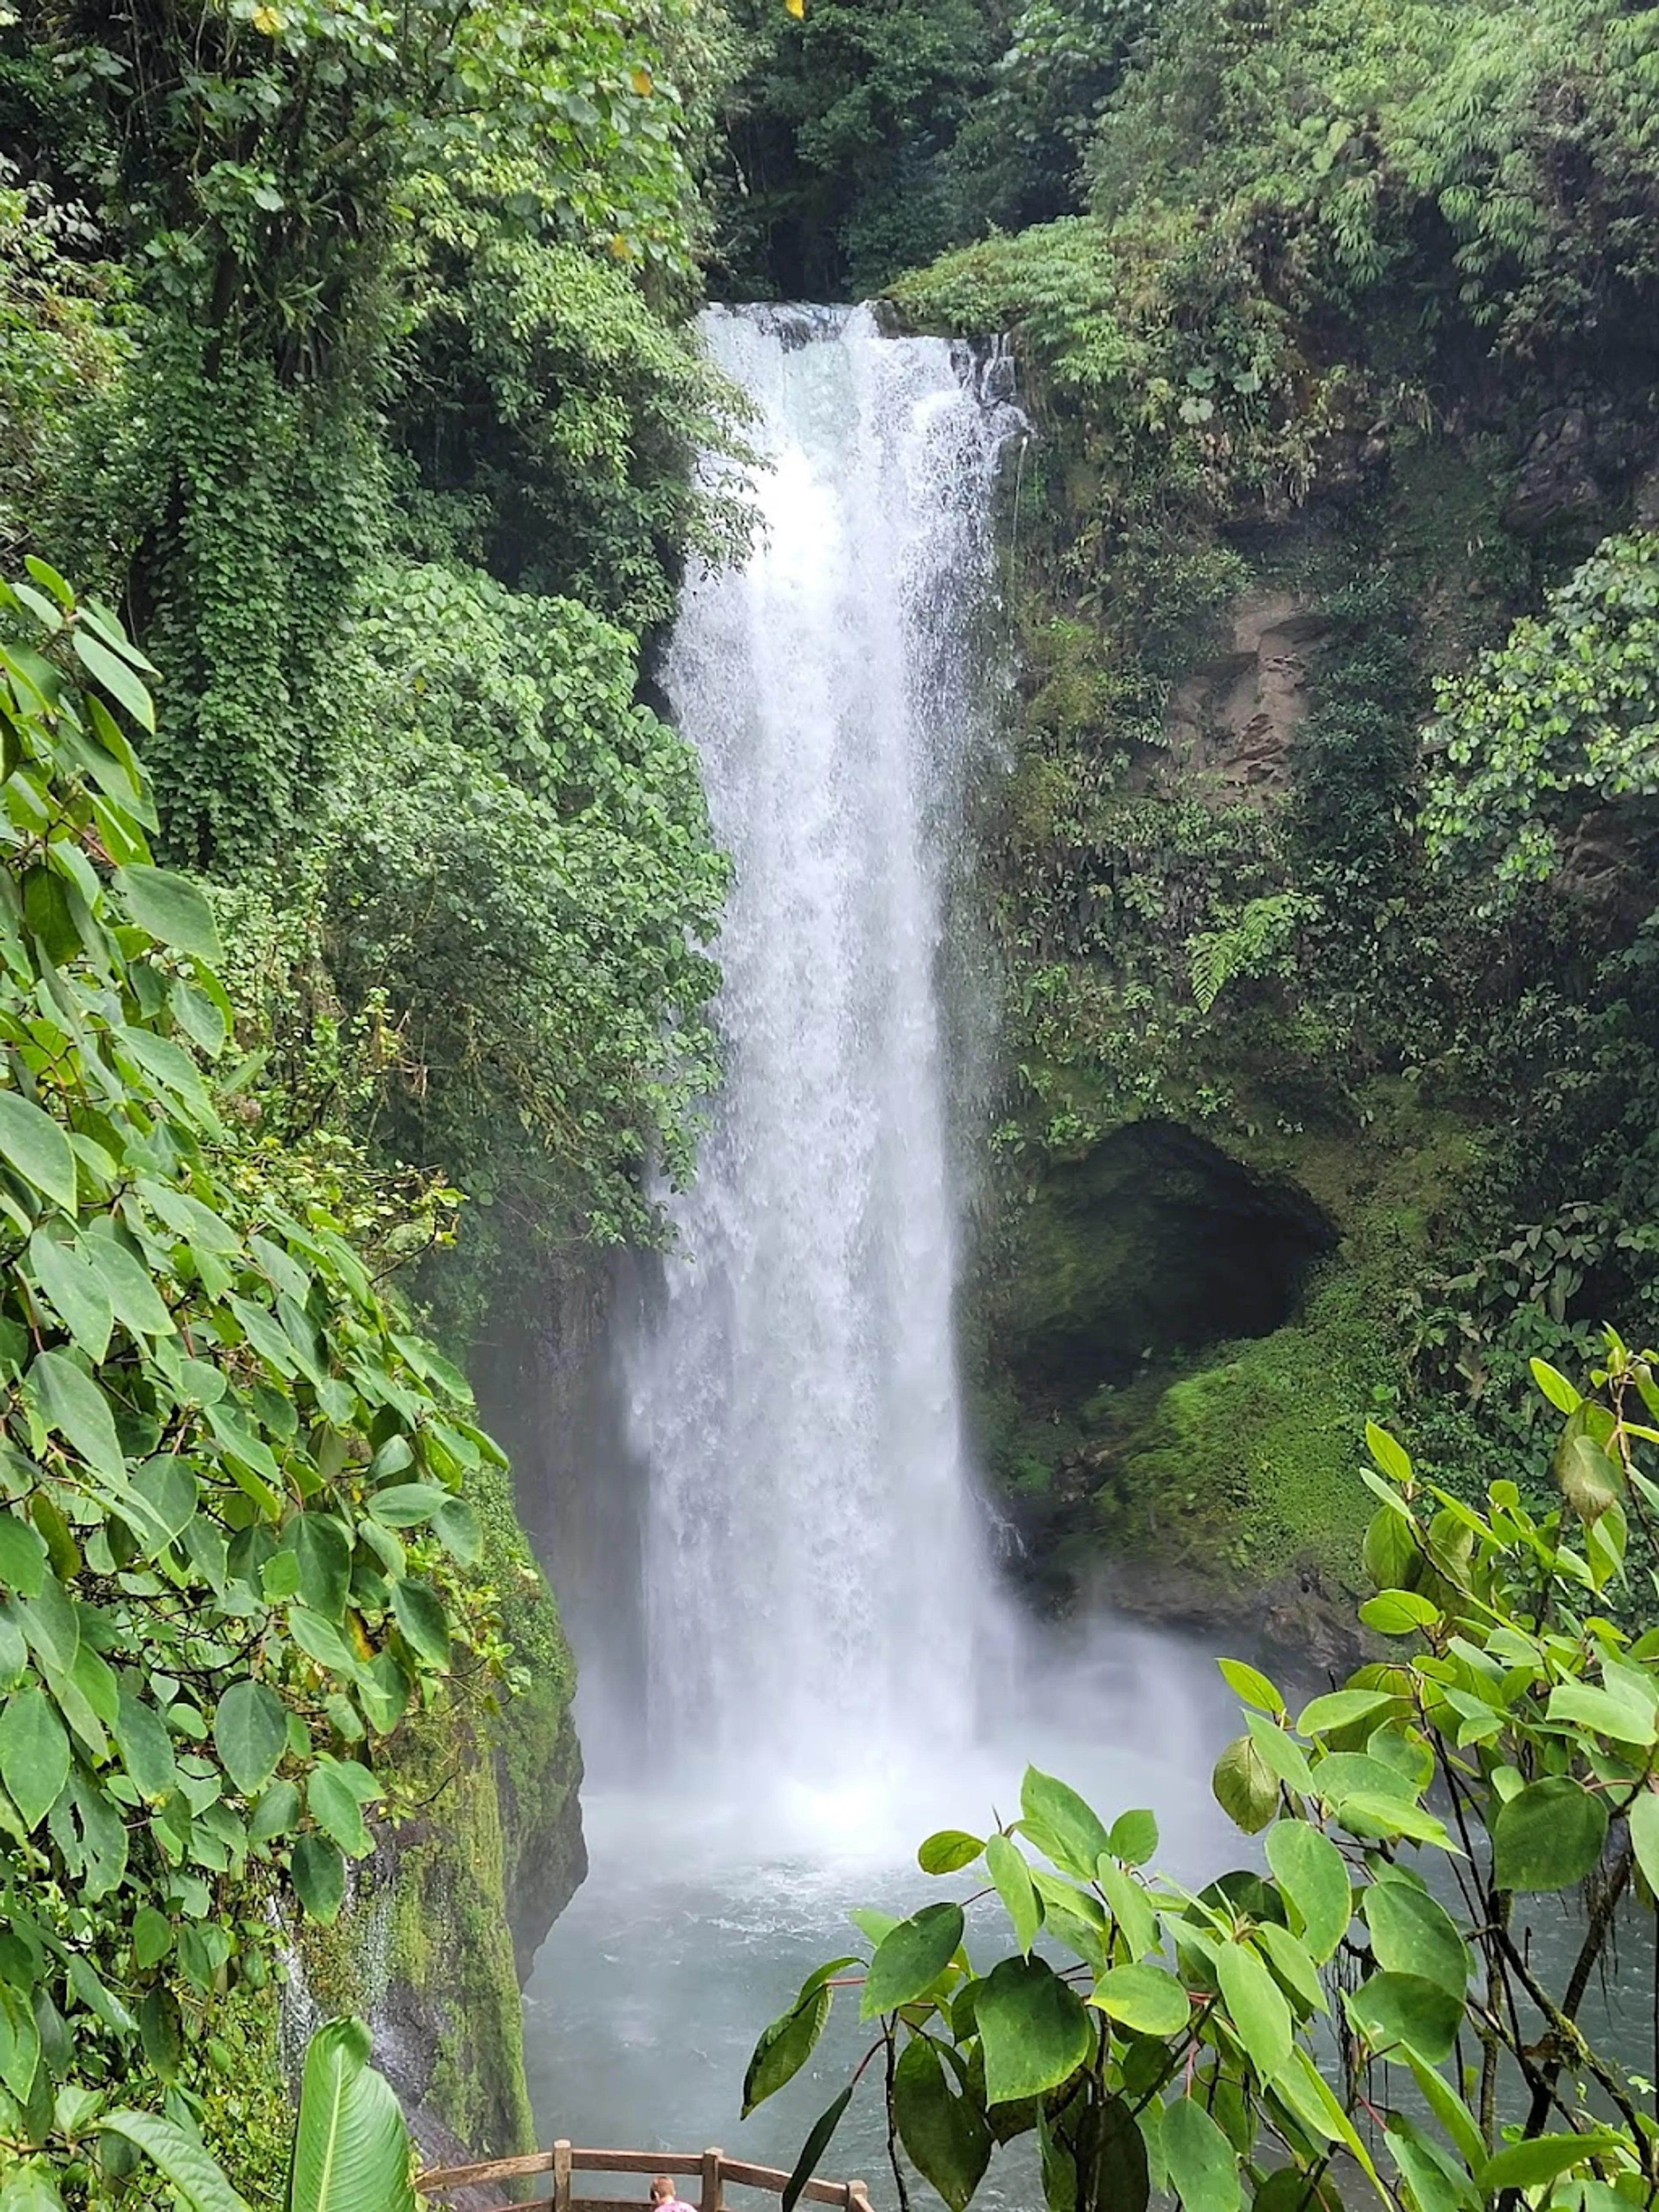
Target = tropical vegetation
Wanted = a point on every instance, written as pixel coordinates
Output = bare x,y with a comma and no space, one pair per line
1368,2014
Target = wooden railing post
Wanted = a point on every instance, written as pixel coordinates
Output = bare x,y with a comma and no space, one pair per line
562,2176
709,2201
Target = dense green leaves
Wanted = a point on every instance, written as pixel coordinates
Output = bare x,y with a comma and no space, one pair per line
204,1402
1149,2038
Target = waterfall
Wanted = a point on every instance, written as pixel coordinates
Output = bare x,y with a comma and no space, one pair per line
813,1565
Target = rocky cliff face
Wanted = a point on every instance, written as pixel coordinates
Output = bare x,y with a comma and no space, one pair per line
446,1916
1257,1127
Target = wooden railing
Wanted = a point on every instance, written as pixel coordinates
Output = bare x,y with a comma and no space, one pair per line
562,2165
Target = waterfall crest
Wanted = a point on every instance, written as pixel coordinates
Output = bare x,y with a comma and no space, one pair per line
813,1558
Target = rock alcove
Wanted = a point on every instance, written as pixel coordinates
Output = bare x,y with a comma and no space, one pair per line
1152,1247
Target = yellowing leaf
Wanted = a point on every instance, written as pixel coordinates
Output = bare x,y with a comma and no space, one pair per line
621,247
644,83
797,8
267,20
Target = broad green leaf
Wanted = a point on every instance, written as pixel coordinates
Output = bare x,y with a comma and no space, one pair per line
146,1748
1060,1824
51,1626
423,1621
1392,1547
351,2146
117,678
1252,1685
457,1527
945,2135
20,2044
1412,1933
319,1877
276,1814
320,1640
1007,1869
1130,1907
1314,1875
1256,2005
1341,1709
322,1550
948,1850
1528,2165
1555,1387
334,1804
71,1404
785,2046
1281,1753
1365,1815
76,1291
34,1756
1133,1836
1390,1455
1394,2009
1147,1999
1245,1788
1033,2030
1288,1957
167,1487
1398,1613
161,2029
910,1958
22,1556
1449,2108
407,1505
1622,1719
1548,1835
249,1733
1437,2184
36,1148
1645,1837
171,908
1203,2165
152,1936
137,1304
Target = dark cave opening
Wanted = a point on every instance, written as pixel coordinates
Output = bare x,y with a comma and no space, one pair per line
1153,1246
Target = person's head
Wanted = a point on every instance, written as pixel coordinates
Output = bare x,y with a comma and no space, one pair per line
662,2189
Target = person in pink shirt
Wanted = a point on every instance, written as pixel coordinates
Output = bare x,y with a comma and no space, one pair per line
663,2198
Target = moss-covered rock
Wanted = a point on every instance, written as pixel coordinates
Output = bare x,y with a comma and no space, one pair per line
447,1914
1179,1349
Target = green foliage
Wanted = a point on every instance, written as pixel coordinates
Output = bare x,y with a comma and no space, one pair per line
840,128
519,876
1017,158
1558,721
1260,939
351,2148
556,412
233,1549
483,211
60,343
1165,2041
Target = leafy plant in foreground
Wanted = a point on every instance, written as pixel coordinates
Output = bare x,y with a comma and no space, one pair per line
231,1545
1368,2007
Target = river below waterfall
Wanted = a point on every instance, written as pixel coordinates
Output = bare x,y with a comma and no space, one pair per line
702,1915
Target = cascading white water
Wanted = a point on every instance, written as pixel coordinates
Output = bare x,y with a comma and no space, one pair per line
812,1561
